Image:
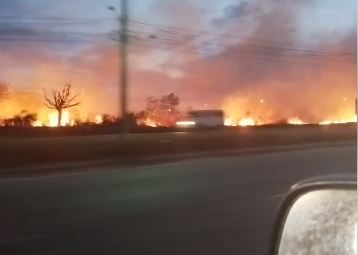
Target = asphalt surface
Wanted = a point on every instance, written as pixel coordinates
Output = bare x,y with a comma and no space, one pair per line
217,205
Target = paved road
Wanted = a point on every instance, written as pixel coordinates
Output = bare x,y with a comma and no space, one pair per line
223,205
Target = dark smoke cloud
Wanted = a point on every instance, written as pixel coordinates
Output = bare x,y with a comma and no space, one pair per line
308,86
232,13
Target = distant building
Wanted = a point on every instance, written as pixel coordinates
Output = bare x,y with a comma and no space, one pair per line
203,118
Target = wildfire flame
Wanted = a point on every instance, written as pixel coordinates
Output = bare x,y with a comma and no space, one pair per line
244,122
245,110
150,123
296,121
229,122
52,120
37,123
255,110
342,121
65,120
247,122
99,119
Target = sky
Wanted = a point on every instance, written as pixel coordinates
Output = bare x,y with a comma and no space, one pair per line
297,55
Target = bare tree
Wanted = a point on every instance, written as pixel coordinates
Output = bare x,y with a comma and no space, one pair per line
61,99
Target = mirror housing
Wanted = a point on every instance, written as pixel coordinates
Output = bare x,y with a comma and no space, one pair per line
318,217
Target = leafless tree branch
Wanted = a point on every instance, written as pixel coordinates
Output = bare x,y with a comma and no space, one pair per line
61,99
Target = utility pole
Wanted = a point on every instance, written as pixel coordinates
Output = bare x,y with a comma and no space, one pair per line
123,65
123,55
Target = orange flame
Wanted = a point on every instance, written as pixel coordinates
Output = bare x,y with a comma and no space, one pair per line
244,122
339,121
65,121
247,122
296,121
150,123
99,119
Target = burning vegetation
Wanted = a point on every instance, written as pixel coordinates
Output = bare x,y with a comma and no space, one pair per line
269,74
61,100
161,112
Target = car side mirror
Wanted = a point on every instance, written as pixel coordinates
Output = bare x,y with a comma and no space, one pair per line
318,219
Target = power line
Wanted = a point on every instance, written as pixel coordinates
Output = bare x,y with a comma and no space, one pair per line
174,30
309,3
50,32
206,45
262,51
174,38
17,39
257,44
44,18
52,21
253,55
53,36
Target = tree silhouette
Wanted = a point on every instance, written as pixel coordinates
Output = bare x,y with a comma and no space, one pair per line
61,99
24,119
108,119
161,111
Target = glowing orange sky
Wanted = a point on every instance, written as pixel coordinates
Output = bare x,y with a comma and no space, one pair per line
311,90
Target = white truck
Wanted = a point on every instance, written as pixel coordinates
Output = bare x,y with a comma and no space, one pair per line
207,118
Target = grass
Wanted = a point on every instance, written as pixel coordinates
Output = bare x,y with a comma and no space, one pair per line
21,151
